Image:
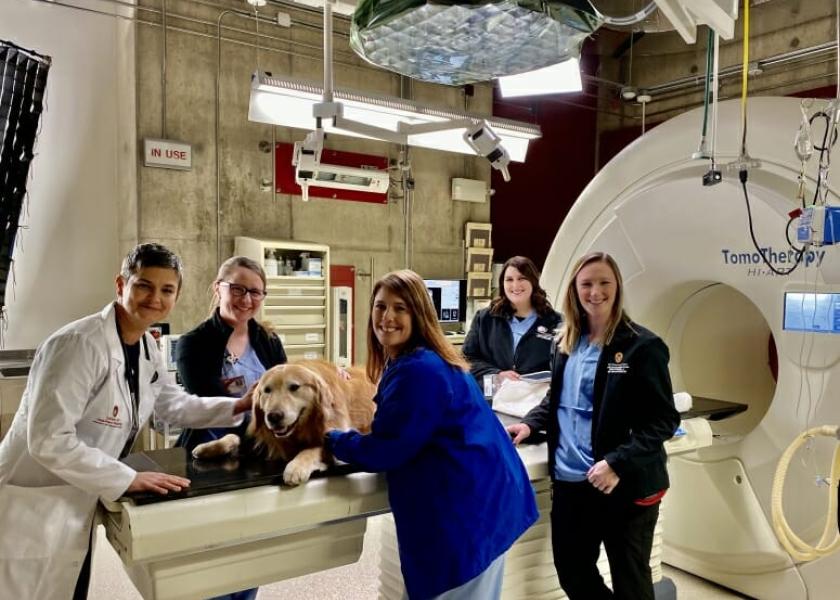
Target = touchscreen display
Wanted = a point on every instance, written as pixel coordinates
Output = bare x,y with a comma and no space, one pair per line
808,311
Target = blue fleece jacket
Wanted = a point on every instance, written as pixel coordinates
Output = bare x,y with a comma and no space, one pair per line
458,490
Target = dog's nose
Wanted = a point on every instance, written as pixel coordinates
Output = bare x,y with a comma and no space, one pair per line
274,418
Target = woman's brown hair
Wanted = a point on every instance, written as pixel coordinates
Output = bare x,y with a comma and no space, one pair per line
425,329
502,306
573,310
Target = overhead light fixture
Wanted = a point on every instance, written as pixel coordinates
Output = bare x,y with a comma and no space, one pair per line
556,79
291,102
298,104
463,41
257,3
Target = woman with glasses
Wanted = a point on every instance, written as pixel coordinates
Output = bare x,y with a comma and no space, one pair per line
228,352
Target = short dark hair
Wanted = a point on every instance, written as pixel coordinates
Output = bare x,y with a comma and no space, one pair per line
151,255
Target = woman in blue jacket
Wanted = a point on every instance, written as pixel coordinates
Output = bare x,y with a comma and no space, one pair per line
608,412
458,491
513,335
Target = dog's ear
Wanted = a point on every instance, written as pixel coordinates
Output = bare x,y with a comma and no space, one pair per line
323,394
257,415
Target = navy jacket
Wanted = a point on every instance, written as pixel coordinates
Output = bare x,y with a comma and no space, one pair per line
458,490
200,354
489,345
633,410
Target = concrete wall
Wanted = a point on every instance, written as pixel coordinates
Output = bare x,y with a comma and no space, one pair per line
179,208
92,198
776,27
81,186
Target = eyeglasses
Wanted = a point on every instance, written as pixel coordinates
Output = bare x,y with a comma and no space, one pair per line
240,290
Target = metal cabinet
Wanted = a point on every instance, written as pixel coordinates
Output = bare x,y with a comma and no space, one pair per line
297,304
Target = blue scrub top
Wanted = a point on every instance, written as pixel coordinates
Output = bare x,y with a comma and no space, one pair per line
519,327
573,457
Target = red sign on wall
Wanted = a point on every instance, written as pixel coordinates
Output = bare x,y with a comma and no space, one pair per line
284,173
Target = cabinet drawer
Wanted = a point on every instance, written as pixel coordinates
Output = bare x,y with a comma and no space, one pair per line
304,353
295,290
301,337
298,317
281,302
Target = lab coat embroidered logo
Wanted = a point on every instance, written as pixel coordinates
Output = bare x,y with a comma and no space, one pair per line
617,367
113,420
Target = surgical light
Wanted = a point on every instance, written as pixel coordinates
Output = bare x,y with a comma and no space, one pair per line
290,103
556,79
459,42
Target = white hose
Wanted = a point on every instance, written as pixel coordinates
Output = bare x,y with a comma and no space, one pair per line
798,549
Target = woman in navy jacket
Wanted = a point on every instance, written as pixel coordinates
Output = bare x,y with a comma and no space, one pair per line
608,411
458,491
513,336
229,351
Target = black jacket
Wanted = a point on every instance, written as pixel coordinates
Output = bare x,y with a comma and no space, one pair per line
489,345
200,354
633,412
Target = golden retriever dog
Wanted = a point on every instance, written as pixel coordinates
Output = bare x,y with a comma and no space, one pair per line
293,406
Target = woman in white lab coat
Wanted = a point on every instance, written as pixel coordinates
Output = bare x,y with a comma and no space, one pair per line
92,385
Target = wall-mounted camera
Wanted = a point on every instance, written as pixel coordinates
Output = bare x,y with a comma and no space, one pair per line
484,141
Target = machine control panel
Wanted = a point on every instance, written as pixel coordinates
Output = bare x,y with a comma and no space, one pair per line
812,312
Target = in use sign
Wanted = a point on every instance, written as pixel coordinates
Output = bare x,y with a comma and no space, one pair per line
167,154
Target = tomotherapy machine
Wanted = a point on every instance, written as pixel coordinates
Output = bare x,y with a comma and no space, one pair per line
737,331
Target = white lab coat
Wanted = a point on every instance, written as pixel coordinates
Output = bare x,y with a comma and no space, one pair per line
61,452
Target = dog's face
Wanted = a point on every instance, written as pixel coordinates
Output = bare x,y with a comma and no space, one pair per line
286,397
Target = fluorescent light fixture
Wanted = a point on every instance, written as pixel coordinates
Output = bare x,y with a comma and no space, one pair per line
289,102
556,79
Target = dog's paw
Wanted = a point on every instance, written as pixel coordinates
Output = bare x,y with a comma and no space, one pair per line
226,446
299,471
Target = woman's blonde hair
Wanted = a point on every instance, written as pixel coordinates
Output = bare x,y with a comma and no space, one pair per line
425,329
573,310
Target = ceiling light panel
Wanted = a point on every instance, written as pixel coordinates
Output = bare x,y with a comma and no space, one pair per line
289,102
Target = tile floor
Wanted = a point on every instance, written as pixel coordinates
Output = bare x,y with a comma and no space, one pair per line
358,581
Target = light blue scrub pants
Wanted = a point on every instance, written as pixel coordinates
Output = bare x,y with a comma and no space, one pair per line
487,585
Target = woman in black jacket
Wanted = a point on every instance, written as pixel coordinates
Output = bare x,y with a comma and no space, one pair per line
608,412
513,336
228,352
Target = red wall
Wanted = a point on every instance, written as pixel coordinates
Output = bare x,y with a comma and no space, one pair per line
527,211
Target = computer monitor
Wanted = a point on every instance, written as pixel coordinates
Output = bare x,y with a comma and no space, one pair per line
168,345
813,312
449,297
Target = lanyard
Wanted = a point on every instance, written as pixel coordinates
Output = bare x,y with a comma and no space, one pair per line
131,356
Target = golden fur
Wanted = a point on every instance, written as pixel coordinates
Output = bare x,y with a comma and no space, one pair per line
293,406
